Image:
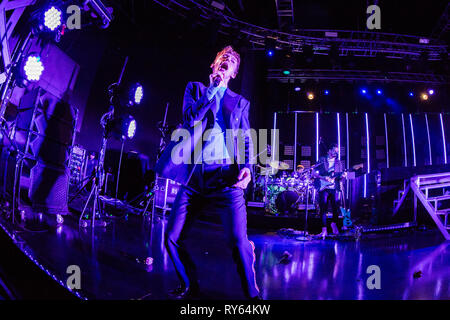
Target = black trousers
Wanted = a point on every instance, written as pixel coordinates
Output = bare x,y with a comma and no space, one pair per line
328,196
210,189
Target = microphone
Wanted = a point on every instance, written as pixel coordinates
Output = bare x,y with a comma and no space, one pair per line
216,81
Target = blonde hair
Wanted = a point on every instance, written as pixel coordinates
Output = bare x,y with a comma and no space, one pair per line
229,50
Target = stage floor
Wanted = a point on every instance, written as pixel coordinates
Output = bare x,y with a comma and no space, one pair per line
413,265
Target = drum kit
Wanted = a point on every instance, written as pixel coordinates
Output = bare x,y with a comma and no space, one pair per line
283,192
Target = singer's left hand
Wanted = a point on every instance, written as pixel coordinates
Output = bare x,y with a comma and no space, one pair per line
244,178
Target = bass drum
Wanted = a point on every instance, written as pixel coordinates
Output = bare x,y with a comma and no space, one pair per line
285,202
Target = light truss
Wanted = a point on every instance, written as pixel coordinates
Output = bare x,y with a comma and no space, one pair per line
355,75
357,43
8,22
285,13
443,25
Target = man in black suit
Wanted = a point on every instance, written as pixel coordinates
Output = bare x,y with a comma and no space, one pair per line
210,157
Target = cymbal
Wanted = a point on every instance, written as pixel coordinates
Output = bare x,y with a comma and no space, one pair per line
266,171
279,165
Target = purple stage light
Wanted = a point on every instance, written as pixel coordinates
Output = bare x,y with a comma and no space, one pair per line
131,131
33,68
138,94
379,92
363,91
52,18
431,92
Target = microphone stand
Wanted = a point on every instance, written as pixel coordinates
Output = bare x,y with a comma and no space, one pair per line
155,185
306,237
99,178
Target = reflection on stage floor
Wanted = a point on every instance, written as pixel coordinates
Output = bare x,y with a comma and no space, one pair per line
114,262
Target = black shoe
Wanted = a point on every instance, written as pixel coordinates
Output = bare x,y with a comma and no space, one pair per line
191,292
257,297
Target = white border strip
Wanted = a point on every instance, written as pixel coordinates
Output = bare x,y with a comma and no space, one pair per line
387,141
413,139
429,140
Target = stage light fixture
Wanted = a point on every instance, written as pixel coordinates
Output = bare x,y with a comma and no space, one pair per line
33,67
424,96
286,72
326,92
363,91
136,94
123,127
310,95
411,94
431,92
297,89
379,92
270,46
131,131
52,18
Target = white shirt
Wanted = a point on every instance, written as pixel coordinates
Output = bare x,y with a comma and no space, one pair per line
215,149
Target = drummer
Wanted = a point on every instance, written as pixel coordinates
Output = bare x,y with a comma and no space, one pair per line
297,173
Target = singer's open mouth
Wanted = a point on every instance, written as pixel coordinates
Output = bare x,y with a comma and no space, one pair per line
224,66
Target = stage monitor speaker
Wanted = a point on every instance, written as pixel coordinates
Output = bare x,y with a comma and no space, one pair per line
61,71
53,130
7,167
51,137
49,188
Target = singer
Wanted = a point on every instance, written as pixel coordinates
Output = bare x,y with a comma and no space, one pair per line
217,179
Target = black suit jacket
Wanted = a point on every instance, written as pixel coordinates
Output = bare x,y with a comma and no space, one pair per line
197,117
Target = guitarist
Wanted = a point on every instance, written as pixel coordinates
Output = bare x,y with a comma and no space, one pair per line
326,182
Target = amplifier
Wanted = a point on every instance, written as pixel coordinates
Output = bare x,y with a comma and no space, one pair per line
165,192
77,165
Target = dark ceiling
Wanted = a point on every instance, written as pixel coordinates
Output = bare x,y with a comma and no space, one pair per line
405,17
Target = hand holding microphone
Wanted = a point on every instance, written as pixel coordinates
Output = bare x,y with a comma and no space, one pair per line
215,79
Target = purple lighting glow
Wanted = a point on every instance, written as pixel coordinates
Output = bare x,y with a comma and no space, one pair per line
138,94
52,18
33,68
131,129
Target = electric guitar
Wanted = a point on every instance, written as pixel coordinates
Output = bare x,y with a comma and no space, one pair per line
327,181
346,213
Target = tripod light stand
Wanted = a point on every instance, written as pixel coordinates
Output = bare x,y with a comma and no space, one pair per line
118,123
